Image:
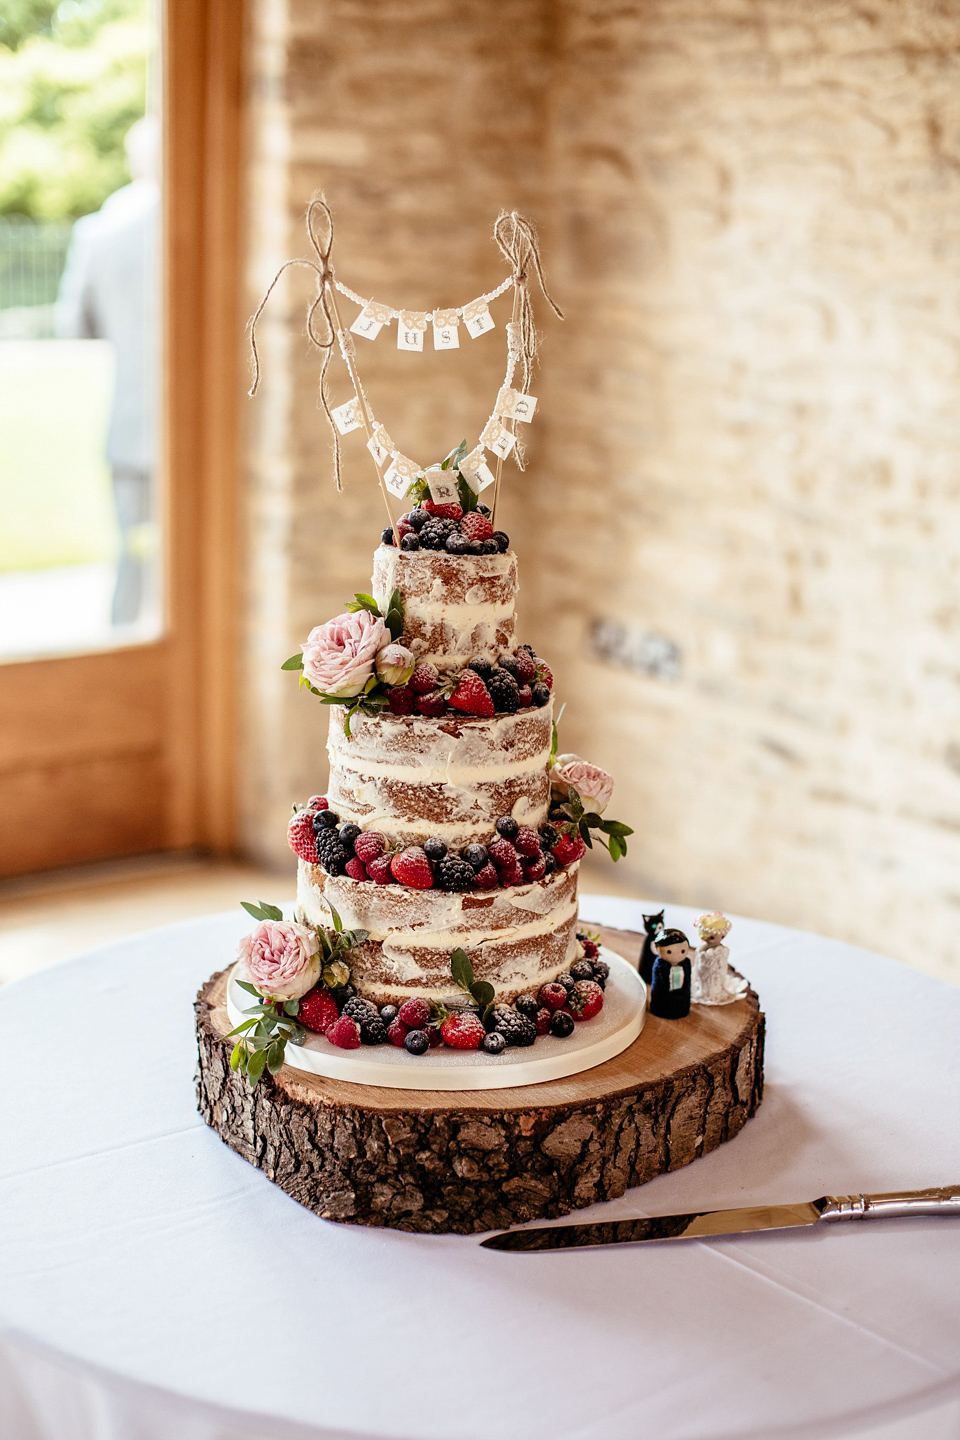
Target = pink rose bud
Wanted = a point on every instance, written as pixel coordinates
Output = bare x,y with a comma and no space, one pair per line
282,959
338,657
395,664
593,785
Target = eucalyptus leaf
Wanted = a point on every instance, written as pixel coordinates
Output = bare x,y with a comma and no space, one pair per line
255,1066
483,992
487,1015
253,910
615,848
294,663
291,1008
235,1055
250,989
574,804
275,1056
272,912
593,820
239,1029
337,922
461,969
362,601
585,835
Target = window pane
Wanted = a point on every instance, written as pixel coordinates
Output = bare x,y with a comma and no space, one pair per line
79,326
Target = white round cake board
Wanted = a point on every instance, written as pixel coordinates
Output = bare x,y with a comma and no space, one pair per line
593,1041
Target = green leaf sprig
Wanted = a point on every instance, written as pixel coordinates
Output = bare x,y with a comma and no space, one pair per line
567,814
480,991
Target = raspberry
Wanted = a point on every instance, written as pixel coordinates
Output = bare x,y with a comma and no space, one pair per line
542,1021
471,695
403,530
345,1034
318,1010
414,1013
568,849
509,878
369,845
552,996
411,867
526,666
300,836
379,870
486,877
591,950
434,1038
450,511
534,869
318,802
544,675
504,691
525,696
463,1031
424,678
397,1033
527,841
400,700
585,1000
431,705
476,526
503,855
356,869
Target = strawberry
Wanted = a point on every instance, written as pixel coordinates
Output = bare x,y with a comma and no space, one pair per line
525,695
471,695
411,867
503,855
476,526
527,841
379,870
300,836
318,1010
369,845
424,678
400,700
526,666
533,870
486,877
463,1031
414,1013
356,869
544,674
318,802
552,996
431,705
397,1033
585,1000
543,1018
449,511
568,849
345,1034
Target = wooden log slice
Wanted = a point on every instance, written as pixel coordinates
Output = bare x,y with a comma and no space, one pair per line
466,1161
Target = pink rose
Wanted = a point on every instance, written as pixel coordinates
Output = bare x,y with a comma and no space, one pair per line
338,657
281,959
593,785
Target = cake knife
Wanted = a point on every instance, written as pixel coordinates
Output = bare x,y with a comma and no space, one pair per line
700,1223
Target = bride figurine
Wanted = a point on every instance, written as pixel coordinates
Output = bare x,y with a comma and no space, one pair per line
713,981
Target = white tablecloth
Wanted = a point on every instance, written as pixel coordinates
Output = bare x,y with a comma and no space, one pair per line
152,1284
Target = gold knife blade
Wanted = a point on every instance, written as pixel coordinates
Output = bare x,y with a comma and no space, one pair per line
700,1223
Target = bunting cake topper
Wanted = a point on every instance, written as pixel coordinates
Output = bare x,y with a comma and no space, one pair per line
396,472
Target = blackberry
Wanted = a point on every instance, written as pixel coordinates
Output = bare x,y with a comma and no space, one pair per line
435,849
482,667
515,1028
433,535
386,537
601,970
540,694
418,518
416,1042
489,547
331,855
458,545
363,1011
476,855
567,981
561,1024
325,820
508,827
454,874
348,834
342,994
527,1005
494,1043
582,970
550,862
410,542
600,980
504,691
512,666
373,1032
502,539
388,1013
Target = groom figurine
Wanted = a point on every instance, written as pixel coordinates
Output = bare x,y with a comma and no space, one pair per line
670,989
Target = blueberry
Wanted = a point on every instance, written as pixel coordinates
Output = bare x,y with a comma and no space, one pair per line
494,1043
388,1013
582,970
475,547
550,862
458,545
482,667
489,547
512,666
409,542
476,855
348,834
483,509
502,539
435,849
527,1005
541,694
387,538
416,1042
567,981
326,817
342,994
561,1025
507,827
418,518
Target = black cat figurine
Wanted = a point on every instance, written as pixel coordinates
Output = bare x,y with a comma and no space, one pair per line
652,925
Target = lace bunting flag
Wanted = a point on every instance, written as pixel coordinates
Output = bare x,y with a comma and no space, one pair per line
400,474
446,330
346,417
371,320
477,318
411,328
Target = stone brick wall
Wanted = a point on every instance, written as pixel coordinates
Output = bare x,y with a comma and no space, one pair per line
740,530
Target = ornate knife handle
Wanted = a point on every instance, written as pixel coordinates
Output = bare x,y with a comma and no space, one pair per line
943,1201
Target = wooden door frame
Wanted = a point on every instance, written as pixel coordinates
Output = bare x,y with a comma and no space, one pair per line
203,126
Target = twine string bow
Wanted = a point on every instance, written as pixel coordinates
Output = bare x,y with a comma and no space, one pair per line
520,247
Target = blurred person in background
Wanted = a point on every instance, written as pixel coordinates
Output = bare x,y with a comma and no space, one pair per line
110,291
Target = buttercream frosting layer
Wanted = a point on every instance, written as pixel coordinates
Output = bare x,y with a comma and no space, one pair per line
517,938
412,777
455,607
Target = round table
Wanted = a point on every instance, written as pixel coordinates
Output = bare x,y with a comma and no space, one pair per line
152,1284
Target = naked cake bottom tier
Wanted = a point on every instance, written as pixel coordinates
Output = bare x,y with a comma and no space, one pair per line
517,938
